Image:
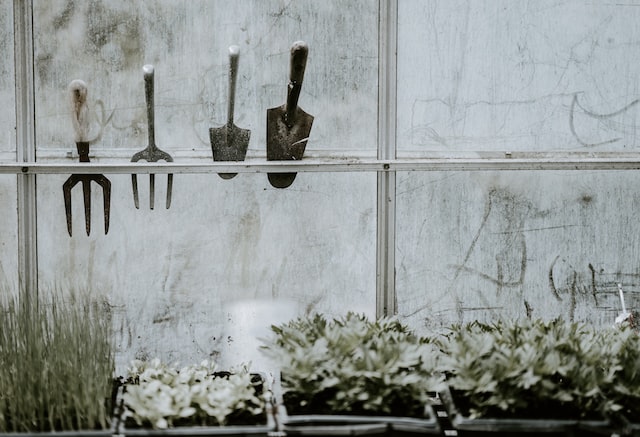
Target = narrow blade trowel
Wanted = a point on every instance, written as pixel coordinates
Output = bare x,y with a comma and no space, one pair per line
288,126
229,142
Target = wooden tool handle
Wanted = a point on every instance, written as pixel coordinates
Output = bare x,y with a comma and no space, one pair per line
148,95
234,55
79,110
299,52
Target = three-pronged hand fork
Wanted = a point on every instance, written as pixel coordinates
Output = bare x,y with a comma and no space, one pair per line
80,120
152,153
100,179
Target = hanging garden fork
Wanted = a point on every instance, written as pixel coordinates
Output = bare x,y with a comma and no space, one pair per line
152,153
80,120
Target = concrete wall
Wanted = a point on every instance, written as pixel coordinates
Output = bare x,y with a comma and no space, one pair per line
475,78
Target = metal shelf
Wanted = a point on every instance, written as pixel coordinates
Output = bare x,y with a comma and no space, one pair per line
330,166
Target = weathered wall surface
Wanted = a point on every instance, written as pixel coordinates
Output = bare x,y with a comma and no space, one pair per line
170,276
489,77
501,75
517,244
474,78
106,43
8,224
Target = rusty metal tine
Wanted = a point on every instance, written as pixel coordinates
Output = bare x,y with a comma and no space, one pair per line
169,189
66,191
106,200
134,183
152,190
86,192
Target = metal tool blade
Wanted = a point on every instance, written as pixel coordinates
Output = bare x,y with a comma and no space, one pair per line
229,142
288,126
286,142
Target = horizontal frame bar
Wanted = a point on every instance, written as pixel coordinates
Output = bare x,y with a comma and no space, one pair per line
329,166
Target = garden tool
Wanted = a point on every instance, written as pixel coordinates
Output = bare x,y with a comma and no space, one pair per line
624,316
288,126
152,153
229,142
79,118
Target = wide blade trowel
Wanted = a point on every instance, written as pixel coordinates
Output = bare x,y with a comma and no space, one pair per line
288,126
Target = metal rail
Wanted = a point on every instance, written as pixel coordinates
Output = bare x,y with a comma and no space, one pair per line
387,149
329,166
26,152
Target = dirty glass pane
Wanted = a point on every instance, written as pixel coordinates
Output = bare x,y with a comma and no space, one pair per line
512,76
8,224
7,85
172,276
8,234
106,43
168,274
484,245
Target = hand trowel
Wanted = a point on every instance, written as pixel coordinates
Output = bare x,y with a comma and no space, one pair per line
288,126
229,142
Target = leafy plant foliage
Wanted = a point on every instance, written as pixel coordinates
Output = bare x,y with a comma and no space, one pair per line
620,349
352,365
536,369
161,396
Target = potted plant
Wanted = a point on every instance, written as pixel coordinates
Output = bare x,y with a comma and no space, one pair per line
351,375
536,377
57,363
620,350
159,399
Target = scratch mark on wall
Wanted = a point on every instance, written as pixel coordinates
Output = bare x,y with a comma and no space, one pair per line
528,309
577,285
544,228
499,278
572,308
503,209
460,268
574,103
427,123
552,284
593,283
163,317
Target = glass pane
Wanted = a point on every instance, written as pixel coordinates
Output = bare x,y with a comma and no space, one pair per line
7,85
106,44
484,246
496,76
171,275
168,274
8,234
8,189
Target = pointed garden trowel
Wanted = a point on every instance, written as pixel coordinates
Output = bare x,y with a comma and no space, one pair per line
288,126
229,142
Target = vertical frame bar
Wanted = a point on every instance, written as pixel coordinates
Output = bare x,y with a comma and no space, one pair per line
386,204
25,148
